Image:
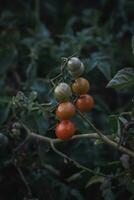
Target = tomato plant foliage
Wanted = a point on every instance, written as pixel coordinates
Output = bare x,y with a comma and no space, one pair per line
35,38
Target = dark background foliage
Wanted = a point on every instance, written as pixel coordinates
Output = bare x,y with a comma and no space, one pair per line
34,35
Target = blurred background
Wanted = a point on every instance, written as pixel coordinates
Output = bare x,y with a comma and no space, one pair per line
34,35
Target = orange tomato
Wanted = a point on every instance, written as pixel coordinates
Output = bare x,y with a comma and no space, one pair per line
80,86
65,110
85,103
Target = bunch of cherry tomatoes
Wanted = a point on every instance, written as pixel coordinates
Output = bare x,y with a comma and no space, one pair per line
63,92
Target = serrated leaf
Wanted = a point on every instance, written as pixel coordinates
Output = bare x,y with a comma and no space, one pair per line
124,78
94,180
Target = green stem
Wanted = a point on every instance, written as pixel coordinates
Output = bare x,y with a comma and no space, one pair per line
75,162
89,123
106,139
24,180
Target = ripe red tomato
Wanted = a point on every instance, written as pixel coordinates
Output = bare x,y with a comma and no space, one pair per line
65,130
80,86
85,103
65,110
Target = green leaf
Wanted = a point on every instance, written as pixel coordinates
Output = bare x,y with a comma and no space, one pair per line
31,71
36,121
42,123
74,177
105,69
7,59
118,128
133,44
40,86
106,188
4,112
94,180
123,120
108,194
42,31
130,185
76,194
123,79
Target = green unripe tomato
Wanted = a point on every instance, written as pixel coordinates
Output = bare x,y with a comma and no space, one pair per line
74,64
78,72
62,92
3,140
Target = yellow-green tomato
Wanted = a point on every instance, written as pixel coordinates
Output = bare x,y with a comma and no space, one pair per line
62,92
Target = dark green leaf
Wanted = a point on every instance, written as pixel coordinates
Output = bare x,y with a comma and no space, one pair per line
123,79
7,59
105,68
94,180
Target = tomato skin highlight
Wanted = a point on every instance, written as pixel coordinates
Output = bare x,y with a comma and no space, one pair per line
65,110
85,103
65,130
81,86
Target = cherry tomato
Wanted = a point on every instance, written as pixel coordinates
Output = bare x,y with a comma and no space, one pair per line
65,130
62,92
80,86
85,103
65,110
75,67
74,64
78,72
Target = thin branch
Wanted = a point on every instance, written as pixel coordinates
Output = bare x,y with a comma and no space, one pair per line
56,77
55,141
100,136
121,114
116,146
104,138
18,148
23,179
87,136
78,165
89,123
